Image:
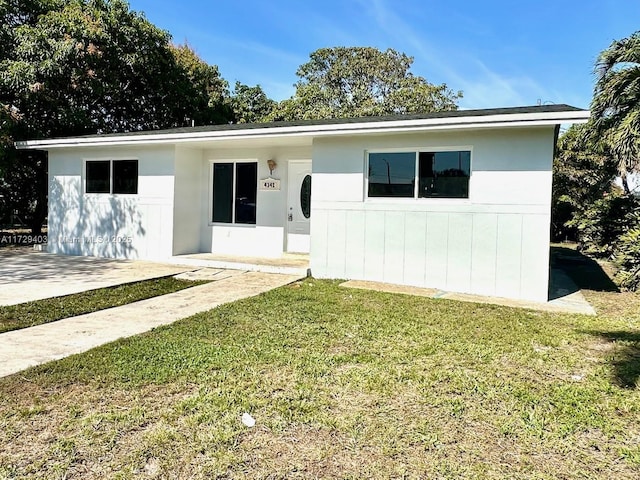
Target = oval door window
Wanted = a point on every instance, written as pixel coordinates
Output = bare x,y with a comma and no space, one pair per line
305,196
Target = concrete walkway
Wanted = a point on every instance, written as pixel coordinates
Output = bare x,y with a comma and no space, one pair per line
566,297
25,348
287,263
27,275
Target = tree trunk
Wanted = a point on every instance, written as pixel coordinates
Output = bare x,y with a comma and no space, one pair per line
37,217
625,183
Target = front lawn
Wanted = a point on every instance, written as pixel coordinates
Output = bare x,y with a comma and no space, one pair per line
29,314
342,383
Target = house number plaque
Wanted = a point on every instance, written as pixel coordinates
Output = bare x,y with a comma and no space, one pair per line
269,184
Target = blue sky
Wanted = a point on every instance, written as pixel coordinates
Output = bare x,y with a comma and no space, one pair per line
499,53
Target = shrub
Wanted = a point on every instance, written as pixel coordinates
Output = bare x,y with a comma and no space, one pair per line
627,255
601,225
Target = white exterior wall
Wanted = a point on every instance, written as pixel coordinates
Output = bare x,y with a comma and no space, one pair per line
117,226
187,212
494,243
267,237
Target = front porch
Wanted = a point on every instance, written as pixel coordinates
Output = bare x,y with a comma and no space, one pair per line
287,263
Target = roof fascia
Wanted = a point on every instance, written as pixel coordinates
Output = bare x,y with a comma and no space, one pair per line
336,129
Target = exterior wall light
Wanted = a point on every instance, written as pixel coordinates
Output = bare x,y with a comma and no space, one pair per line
272,165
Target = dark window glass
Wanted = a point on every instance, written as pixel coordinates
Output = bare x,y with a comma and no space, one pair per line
305,196
98,176
125,176
444,174
222,192
246,192
392,174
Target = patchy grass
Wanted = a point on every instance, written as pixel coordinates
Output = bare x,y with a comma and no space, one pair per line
343,384
38,312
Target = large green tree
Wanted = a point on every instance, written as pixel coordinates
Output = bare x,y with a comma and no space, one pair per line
361,81
616,103
71,67
210,92
583,173
250,104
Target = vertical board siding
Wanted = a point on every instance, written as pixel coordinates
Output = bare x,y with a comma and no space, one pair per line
509,255
496,242
535,258
394,247
415,234
102,224
354,251
319,241
437,250
336,243
483,253
459,253
373,247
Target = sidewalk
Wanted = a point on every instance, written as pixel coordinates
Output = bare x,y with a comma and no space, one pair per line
21,349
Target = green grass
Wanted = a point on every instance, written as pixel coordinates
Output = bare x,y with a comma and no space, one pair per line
343,383
38,312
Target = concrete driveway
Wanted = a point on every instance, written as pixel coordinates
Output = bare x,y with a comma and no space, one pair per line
21,349
27,275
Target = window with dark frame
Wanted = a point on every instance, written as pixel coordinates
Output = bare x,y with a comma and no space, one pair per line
125,176
443,174
235,192
392,174
111,176
98,176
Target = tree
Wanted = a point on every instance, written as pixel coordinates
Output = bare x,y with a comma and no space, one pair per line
583,172
361,81
210,90
250,104
72,67
616,103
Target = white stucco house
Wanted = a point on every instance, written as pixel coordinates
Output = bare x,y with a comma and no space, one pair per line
455,200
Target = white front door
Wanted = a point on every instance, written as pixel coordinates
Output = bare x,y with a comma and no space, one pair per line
299,206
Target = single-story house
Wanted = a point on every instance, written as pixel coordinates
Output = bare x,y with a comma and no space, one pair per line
455,200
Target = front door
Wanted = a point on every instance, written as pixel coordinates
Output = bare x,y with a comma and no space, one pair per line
299,206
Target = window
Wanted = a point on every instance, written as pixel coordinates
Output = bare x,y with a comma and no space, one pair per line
392,174
98,177
444,174
305,196
125,176
419,174
112,176
235,188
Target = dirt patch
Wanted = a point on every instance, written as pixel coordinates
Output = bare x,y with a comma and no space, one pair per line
78,430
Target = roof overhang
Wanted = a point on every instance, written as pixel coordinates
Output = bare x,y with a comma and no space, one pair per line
317,130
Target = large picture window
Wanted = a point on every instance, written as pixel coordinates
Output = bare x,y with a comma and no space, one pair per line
235,188
442,174
112,176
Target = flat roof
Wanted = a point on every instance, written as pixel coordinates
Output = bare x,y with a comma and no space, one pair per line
449,120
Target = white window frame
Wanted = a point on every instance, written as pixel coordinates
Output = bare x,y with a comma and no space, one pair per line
233,202
417,151
110,160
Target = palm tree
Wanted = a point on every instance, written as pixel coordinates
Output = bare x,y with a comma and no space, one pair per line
616,103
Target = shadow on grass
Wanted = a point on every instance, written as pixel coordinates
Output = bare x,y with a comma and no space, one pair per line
625,357
585,272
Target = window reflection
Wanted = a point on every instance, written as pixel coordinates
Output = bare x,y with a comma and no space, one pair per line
392,174
444,174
